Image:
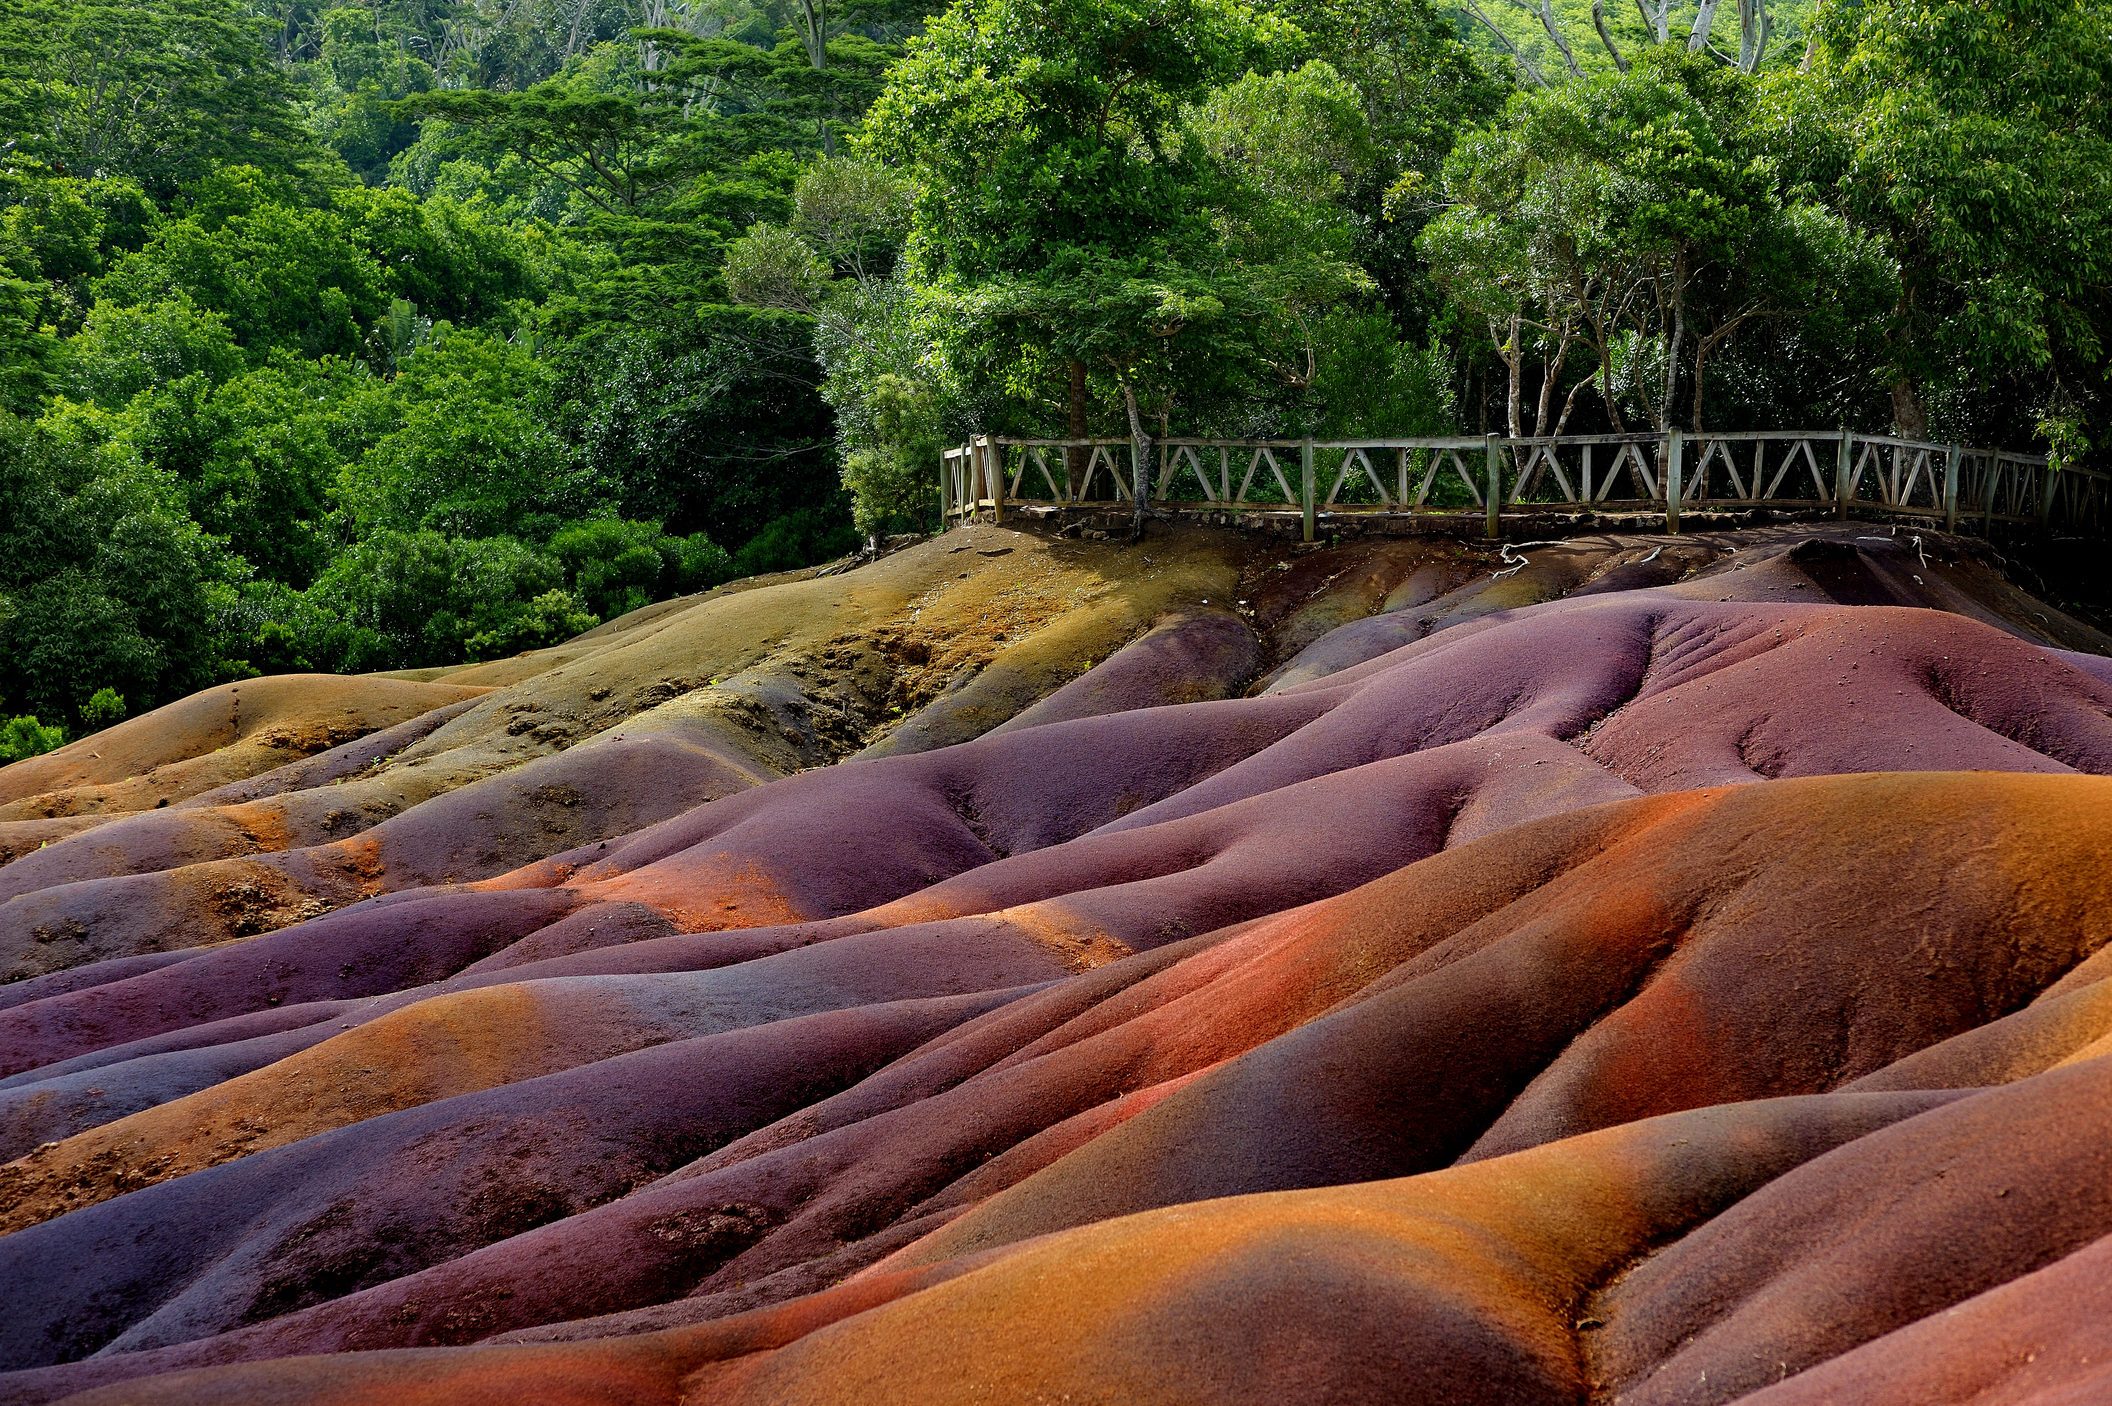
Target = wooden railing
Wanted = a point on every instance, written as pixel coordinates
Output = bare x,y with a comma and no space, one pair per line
1804,471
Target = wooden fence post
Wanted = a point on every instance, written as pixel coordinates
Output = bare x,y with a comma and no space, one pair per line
1492,495
1951,464
1841,472
1305,480
945,488
2052,491
994,475
1675,474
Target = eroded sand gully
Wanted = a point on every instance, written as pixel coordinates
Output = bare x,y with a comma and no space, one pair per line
1025,970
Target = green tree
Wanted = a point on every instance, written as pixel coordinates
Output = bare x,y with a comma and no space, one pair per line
282,274
1635,222
470,451
163,91
104,580
405,598
1067,217
125,350
1419,86
1976,139
361,72
278,442
29,350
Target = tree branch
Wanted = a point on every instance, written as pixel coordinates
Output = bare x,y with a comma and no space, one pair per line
1532,70
1554,32
1598,22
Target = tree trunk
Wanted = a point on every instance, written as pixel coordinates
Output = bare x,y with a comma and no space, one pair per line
814,34
1908,416
1704,21
1755,27
1613,409
1550,377
1701,361
1075,459
1140,450
1514,362
1672,356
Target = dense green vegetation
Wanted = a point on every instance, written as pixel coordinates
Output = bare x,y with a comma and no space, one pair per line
1389,216
360,334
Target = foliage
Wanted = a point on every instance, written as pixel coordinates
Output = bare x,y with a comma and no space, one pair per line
369,333
889,475
104,579
24,736
1634,224
616,566
164,93
1547,41
1082,201
1975,140
470,451
423,595
127,349
103,708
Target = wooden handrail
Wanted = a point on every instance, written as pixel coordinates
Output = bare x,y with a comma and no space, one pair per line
1668,473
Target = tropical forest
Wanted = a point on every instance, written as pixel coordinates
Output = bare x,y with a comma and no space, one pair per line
379,334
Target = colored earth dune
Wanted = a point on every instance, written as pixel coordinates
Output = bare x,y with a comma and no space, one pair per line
1024,970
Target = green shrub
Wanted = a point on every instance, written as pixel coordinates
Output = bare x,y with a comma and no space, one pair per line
698,562
613,565
550,618
24,736
797,539
104,707
409,598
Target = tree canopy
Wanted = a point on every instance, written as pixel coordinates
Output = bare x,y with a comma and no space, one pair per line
372,333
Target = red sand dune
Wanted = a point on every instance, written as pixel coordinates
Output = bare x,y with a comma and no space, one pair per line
1015,972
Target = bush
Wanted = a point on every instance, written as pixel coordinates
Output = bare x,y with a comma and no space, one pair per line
613,565
409,598
550,618
1371,383
894,479
104,707
24,736
797,539
699,562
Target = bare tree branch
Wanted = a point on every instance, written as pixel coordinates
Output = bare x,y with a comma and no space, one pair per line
1532,70
1598,22
1658,19
1755,27
1554,32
